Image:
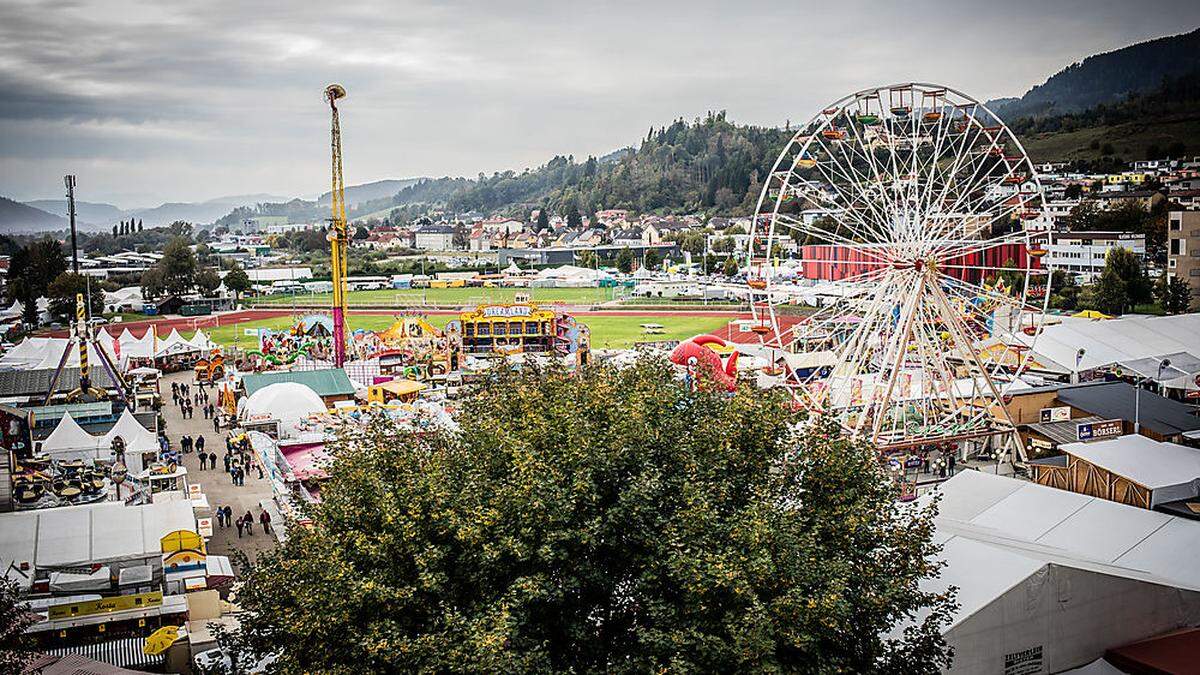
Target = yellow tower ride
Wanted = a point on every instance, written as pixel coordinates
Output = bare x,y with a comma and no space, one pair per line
339,239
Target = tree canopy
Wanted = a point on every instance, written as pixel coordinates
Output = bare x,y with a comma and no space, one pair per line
608,520
237,280
1123,282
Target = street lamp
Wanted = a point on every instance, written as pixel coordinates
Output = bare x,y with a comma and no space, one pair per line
1137,395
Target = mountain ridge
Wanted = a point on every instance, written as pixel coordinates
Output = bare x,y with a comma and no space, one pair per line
1106,78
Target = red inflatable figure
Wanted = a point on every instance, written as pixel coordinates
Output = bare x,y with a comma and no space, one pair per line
704,363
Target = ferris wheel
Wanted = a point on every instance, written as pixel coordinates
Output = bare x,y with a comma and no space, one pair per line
908,212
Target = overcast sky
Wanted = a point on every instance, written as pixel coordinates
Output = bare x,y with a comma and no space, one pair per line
184,101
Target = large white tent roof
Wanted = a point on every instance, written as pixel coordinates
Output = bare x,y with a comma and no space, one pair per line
1056,525
91,533
287,402
1143,460
1110,341
68,436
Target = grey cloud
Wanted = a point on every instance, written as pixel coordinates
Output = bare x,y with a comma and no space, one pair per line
190,100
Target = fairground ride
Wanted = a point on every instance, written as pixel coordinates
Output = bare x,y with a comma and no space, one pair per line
915,200
339,239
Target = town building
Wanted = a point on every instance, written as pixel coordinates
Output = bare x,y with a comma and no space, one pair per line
1083,253
1183,249
439,237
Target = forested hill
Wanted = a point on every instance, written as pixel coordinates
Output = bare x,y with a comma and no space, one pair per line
1164,123
709,164
1108,78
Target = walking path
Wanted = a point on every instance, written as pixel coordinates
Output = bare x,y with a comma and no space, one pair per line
215,483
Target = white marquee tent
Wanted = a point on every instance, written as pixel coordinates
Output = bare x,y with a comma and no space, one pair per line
1112,341
68,440
74,536
1056,577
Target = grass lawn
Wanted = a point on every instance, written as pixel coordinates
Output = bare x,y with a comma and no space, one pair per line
445,296
608,332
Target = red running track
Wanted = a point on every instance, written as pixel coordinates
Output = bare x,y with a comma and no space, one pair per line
187,324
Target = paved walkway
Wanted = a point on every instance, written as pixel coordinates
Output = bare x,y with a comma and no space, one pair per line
215,483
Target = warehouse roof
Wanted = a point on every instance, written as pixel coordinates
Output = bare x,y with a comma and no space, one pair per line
1115,400
36,382
71,536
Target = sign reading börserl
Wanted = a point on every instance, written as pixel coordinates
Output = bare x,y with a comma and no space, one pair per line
1096,431
507,310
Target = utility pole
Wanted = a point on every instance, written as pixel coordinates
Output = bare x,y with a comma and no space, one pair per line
69,181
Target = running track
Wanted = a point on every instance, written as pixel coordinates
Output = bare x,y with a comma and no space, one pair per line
188,324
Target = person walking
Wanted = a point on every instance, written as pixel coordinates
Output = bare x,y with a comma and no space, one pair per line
228,461
228,514
249,518
216,424
265,519
203,458
199,442
240,525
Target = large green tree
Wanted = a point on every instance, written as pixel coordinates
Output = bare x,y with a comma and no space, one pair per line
1173,294
178,265
237,281
62,292
1123,282
31,271
607,520
16,649
625,260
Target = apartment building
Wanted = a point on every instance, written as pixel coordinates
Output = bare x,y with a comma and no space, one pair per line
1183,249
1083,253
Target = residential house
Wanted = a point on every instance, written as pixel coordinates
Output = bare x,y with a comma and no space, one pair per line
630,236
439,237
1143,198
479,240
1186,199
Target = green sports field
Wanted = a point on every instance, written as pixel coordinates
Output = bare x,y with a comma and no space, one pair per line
608,332
444,296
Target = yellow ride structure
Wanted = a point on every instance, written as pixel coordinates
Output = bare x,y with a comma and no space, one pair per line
339,239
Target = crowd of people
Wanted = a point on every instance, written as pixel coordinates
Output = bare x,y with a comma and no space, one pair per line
238,459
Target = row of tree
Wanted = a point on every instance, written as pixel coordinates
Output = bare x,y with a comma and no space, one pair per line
39,269
1123,285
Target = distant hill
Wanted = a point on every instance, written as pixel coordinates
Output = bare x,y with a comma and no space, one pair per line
1107,78
357,194
92,214
16,217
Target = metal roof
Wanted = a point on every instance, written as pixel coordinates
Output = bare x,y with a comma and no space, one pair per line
326,382
1064,431
1115,400
36,382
